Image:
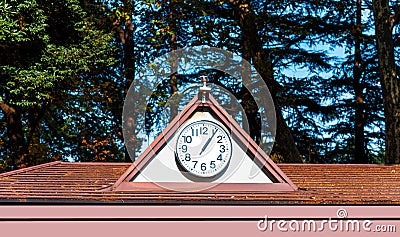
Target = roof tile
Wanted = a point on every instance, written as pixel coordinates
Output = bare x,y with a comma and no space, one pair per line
318,184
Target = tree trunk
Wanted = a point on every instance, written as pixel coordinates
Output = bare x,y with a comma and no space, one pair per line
173,82
253,116
284,145
388,76
16,142
129,72
125,34
359,116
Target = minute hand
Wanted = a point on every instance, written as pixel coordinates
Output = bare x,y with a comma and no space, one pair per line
208,142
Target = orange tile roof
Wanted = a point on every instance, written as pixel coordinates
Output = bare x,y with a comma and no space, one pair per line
88,182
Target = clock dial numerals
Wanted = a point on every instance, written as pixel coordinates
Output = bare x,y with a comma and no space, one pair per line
204,148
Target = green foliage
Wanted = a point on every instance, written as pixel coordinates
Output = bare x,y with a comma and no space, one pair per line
50,50
21,21
32,78
66,65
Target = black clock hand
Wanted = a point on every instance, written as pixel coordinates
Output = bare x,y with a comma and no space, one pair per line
208,142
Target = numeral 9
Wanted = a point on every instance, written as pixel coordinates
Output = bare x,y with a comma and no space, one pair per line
184,148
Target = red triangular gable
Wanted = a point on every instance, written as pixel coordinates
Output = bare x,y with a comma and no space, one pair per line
280,181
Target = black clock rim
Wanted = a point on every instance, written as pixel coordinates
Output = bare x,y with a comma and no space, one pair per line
193,176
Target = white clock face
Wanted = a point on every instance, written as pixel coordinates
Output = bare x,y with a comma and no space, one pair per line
204,149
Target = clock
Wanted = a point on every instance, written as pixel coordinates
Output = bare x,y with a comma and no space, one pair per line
203,149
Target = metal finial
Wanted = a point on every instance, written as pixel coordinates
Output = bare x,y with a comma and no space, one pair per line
204,80
204,90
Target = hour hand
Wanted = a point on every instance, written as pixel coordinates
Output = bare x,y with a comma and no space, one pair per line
207,142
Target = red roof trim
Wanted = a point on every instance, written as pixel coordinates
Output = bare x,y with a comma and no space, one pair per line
218,188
